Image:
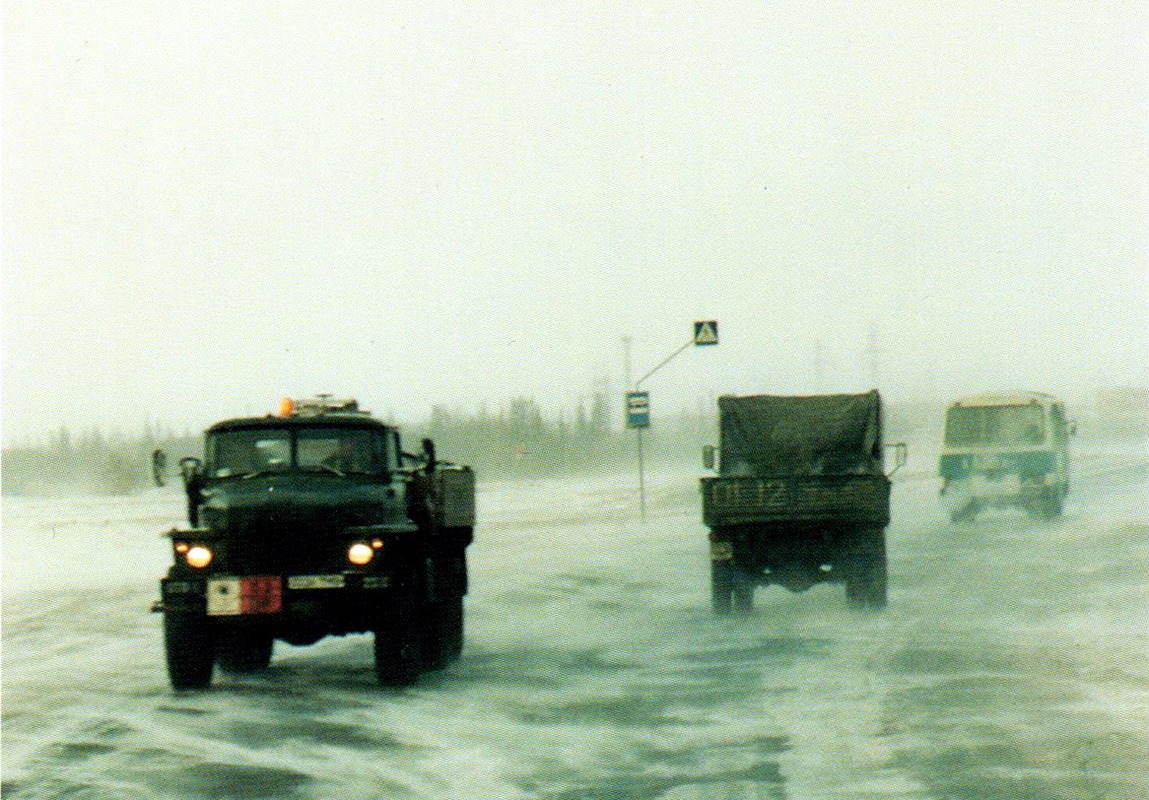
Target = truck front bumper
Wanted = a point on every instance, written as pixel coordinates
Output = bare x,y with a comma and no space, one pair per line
273,596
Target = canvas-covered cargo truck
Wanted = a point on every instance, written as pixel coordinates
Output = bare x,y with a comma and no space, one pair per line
800,498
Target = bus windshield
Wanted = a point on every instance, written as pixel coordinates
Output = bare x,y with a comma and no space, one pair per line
995,425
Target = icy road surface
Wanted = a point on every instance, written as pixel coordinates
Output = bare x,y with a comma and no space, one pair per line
1011,663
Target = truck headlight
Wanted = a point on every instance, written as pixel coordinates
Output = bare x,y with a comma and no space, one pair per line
198,556
360,553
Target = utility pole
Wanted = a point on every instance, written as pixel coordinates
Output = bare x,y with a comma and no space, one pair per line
819,367
874,351
627,341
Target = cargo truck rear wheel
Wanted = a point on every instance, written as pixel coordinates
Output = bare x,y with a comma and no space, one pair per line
730,590
721,586
190,649
866,576
444,637
743,596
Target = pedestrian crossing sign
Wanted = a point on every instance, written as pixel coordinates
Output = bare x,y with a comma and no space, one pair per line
706,332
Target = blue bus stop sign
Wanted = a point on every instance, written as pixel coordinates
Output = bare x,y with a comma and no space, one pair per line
638,409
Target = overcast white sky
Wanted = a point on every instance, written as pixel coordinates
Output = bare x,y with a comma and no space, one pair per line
210,205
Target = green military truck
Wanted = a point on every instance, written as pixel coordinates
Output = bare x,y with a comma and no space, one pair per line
800,497
315,522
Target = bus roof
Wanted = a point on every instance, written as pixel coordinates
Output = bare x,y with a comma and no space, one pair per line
1003,399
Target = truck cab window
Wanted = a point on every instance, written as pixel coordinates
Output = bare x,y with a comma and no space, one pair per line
237,453
347,451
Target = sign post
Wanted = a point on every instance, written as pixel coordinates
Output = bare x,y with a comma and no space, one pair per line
638,417
638,403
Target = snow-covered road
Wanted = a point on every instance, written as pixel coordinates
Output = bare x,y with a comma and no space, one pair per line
1012,662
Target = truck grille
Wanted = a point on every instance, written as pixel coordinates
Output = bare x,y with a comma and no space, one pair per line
277,543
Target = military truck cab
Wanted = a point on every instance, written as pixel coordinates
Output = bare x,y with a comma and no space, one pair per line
314,522
1005,450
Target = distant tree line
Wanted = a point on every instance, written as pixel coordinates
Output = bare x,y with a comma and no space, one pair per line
521,440
517,440
90,462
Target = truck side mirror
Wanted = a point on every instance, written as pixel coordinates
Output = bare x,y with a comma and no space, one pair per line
159,466
901,455
191,469
429,454
709,456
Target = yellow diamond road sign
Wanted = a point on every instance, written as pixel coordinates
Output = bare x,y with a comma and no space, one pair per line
706,332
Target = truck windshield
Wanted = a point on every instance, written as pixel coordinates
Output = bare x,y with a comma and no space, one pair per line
340,451
995,425
247,452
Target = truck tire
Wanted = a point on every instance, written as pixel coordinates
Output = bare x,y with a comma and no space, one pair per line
743,595
190,649
967,513
443,642
866,576
721,586
1048,506
444,638
435,653
453,627
242,652
399,639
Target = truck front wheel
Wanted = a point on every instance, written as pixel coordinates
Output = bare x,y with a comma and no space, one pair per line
399,640
190,648
967,513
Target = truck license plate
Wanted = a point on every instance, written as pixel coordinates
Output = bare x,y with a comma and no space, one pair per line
315,582
257,594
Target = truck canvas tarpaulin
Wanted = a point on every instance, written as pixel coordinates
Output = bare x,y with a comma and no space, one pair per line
767,435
